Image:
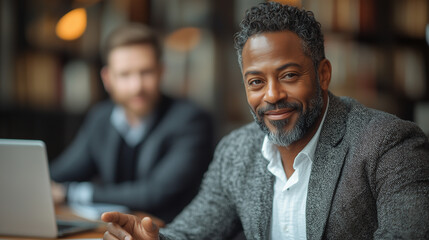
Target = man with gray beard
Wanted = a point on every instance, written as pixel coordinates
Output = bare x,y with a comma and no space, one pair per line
305,121
323,167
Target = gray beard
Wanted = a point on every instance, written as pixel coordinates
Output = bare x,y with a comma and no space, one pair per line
306,120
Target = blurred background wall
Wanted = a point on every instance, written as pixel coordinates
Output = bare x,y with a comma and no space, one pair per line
49,58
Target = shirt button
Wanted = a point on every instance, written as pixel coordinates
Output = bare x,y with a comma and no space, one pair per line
285,228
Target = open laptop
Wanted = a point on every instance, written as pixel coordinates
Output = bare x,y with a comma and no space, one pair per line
26,205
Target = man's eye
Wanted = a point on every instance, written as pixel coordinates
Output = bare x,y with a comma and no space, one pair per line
289,76
255,82
123,74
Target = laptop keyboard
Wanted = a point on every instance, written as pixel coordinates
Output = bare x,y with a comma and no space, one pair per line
67,227
64,226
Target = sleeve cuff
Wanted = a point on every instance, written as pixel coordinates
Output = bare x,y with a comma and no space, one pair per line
80,192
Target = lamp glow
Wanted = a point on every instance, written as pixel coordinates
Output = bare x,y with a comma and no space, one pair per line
184,39
72,25
295,3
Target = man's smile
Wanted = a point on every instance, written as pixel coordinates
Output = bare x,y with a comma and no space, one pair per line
279,114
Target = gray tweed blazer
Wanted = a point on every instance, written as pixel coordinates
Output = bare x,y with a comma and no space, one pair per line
369,180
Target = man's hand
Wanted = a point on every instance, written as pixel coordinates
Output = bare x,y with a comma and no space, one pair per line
127,227
58,192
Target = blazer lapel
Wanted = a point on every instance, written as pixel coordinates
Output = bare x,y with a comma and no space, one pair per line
265,198
156,122
110,154
255,194
326,169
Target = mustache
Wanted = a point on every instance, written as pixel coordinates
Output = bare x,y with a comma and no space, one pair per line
279,105
143,94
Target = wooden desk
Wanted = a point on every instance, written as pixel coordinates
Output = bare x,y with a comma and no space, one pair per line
64,213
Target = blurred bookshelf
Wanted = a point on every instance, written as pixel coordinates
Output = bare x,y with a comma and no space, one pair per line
49,82
377,48
378,52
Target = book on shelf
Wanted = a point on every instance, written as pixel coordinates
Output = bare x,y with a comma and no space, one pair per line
410,17
44,82
350,16
37,80
367,16
77,92
409,73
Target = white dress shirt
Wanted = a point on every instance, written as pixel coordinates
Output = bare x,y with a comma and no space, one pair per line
131,134
290,195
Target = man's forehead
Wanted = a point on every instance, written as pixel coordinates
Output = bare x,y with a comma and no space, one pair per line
269,45
139,51
273,40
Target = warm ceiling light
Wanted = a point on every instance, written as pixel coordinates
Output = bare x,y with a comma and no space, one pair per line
72,25
295,3
184,39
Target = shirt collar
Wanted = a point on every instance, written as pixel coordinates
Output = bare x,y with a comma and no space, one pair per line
270,151
131,134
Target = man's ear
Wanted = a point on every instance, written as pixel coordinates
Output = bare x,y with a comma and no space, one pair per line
325,71
104,73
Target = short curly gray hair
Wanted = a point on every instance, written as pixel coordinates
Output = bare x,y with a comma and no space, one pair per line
275,17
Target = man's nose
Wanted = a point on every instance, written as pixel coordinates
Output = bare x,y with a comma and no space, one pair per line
136,81
274,92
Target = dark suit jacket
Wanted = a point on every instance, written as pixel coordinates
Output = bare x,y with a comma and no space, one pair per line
369,180
173,157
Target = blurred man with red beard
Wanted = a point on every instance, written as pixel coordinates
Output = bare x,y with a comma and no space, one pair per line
140,149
